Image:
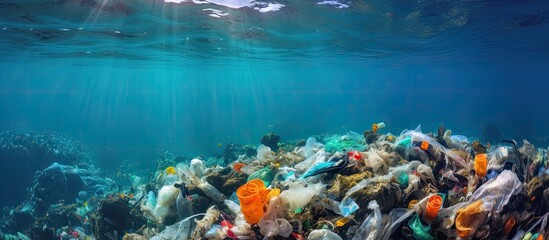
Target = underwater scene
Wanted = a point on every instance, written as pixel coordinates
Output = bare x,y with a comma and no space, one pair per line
274,119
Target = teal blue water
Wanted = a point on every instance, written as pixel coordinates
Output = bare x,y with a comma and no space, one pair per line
132,78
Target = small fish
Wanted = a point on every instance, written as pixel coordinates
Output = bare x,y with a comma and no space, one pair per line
220,145
85,204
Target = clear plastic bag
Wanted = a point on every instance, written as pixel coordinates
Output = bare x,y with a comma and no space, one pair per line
498,190
371,227
272,223
323,234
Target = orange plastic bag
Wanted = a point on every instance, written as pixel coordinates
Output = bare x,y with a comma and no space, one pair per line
468,219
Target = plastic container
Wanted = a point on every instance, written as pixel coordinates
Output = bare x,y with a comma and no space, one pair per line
433,205
251,200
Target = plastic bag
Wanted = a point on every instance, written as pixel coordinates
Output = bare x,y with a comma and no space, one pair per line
273,223
323,234
179,230
319,156
348,206
197,166
468,219
298,195
394,215
420,231
312,146
264,154
209,190
499,190
371,227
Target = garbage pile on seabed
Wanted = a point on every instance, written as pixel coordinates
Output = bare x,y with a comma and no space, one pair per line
370,186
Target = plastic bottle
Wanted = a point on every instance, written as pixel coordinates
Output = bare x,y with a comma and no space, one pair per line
265,174
433,205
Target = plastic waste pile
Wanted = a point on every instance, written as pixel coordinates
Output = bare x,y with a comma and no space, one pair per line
372,186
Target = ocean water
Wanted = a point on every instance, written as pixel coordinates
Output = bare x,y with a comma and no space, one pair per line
131,79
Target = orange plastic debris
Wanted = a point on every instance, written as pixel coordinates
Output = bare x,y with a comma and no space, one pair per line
468,219
253,196
238,166
355,155
481,164
424,145
375,127
272,193
412,203
433,205
342,222
509,225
